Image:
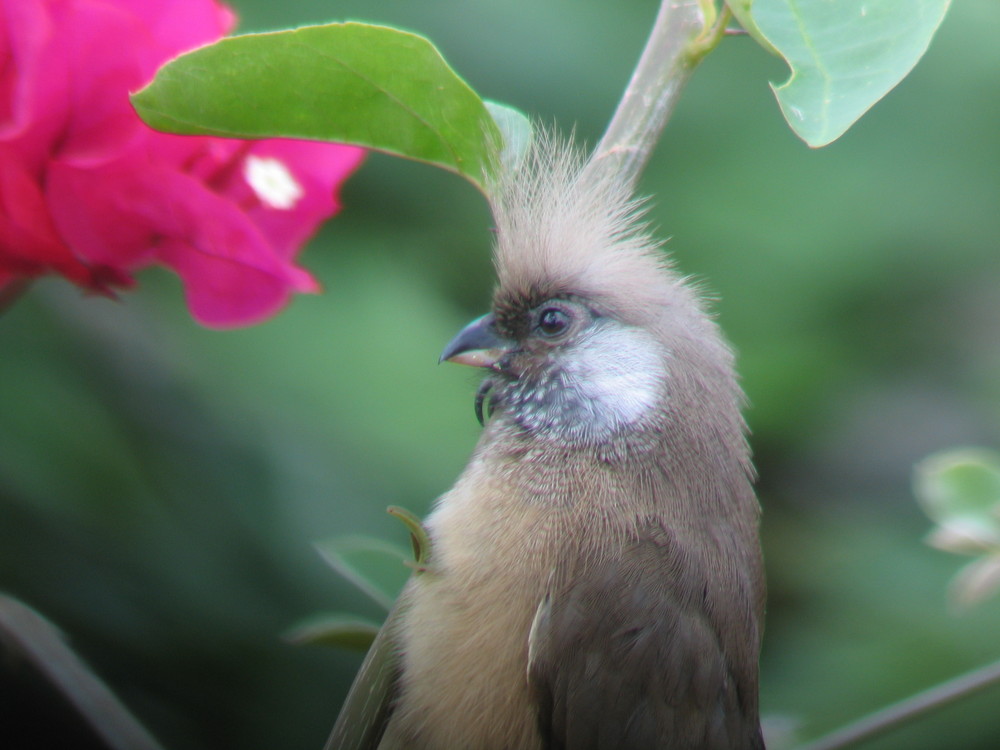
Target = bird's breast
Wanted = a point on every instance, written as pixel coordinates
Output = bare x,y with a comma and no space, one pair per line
465,634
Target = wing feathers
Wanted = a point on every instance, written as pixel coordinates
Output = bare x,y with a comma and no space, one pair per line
625,657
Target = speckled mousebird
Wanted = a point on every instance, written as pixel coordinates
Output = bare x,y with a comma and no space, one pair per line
596,576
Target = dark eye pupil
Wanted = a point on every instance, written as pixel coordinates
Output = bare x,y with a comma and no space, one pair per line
552,321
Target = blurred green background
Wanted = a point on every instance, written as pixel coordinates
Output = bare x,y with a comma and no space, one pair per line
161,485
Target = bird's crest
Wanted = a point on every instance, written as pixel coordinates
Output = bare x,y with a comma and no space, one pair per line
564,229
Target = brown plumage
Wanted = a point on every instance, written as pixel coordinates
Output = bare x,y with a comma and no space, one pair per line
596,579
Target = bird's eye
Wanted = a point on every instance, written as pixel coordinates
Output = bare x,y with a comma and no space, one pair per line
552,321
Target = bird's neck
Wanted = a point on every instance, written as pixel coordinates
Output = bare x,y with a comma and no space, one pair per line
689,470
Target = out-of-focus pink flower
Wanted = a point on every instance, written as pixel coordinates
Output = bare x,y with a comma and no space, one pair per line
88,191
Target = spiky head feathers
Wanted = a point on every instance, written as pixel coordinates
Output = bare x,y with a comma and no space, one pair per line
563,230
566,229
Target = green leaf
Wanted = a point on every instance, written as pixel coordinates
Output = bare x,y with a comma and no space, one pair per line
960,490
340,630
844,55
742,11
517,133
376,567
371,86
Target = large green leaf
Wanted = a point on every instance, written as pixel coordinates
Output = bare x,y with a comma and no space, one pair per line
372,86
844,55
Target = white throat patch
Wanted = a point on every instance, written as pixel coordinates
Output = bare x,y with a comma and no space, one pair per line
618,371
605,382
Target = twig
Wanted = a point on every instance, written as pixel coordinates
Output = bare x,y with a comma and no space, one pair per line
908,709
664,67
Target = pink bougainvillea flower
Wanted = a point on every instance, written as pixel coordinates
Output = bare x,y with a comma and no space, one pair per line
88,191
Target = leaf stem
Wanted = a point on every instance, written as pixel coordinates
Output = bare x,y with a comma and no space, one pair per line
664,67
419,537
908,709
710,36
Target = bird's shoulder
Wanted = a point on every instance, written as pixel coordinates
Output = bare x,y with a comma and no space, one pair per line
634,654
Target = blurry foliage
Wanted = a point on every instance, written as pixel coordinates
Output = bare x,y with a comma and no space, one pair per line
960,491
162,485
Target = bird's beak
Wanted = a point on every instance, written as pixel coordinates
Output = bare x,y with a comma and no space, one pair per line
477,345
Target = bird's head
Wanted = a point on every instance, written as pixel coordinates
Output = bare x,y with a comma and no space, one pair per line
563,367
592,335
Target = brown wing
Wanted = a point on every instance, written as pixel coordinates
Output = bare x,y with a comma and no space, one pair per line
638,653
366,710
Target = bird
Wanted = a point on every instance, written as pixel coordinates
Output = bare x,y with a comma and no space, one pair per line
595,579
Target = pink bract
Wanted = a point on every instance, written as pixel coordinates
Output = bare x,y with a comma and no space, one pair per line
88,191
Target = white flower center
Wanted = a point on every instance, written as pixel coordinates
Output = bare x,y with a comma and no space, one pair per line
272,181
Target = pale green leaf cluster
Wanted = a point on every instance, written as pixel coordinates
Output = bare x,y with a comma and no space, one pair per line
960,491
